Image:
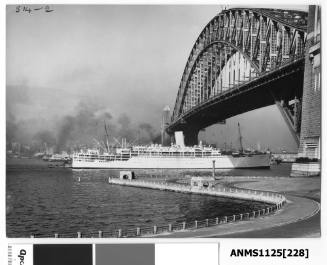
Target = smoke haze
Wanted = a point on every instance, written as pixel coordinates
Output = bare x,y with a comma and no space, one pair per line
86,128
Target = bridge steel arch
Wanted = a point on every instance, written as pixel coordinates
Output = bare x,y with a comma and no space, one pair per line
272,41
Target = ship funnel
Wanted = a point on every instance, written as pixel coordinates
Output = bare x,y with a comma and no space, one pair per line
179,138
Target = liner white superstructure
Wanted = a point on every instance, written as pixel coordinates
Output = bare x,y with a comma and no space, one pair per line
172,157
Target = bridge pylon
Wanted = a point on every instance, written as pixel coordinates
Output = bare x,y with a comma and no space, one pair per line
308,163
191,136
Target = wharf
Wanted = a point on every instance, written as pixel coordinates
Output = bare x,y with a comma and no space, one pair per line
286,211
236,193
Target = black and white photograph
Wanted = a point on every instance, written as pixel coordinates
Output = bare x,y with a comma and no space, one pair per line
163,121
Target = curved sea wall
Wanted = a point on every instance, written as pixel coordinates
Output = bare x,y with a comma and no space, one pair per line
236,193
275,200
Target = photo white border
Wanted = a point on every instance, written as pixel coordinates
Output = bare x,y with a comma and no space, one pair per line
317,246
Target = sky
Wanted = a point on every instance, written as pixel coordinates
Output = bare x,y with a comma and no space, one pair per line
122,60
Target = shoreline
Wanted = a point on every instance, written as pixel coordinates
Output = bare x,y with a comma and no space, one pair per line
284,216
297,208
300,207
303,204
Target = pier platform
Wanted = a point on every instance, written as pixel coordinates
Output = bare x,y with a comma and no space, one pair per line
291,209
235,193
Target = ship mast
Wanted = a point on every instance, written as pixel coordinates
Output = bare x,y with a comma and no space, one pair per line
107,136
240,137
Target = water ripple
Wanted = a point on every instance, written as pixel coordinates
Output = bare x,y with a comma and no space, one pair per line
55,200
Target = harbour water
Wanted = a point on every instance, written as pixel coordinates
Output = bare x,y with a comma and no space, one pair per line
42,200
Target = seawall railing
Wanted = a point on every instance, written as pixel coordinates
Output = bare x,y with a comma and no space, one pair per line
237,193
276,200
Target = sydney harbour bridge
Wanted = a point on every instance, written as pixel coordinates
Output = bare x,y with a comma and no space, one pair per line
243,59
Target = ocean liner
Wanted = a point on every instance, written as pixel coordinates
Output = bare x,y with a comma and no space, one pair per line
176,156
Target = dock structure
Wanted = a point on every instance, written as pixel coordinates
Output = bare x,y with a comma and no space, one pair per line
202,186
227,192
